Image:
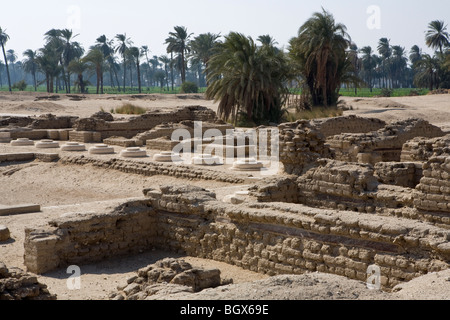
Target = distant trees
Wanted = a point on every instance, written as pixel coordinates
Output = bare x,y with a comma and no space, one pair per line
4,37
30,65
178,42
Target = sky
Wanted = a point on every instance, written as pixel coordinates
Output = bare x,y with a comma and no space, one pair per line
149,22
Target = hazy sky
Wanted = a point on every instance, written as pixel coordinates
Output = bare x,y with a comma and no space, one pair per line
149,22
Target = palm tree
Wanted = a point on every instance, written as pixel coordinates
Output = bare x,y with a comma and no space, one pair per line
247,79
30,65
11,56
48,59
437,37
122,48
368,64
4,37
165,60
135,53
107,47
319,53
78,66
202,48
144,52
71,50
178,42
427,70
399,63
385,50
96,58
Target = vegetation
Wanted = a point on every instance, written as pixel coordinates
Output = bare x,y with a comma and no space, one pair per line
249,77
129,108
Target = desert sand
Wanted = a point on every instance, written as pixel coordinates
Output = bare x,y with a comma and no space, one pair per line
56,187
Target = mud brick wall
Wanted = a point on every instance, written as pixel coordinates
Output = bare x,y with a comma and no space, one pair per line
383,145
420,149
301,145
348,124
89,237
279,189
152,168
85,136
139,124
432,195
267,238
404,174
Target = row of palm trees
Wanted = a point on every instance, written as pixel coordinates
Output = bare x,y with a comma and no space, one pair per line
63,58
249,78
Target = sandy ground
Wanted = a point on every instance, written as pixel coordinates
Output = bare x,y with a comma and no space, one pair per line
61,189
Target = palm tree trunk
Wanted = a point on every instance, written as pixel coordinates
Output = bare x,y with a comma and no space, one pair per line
171,68
124,73
7,68
139,76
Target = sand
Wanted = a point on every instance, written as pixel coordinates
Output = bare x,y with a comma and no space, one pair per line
59,188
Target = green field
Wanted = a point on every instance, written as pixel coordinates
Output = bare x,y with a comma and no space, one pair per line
361,93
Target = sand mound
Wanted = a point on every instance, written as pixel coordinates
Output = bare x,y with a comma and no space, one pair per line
39,107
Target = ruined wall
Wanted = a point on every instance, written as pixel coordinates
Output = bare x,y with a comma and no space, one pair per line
152,168
420,149
403,174
135,125
301,145
267,238
348,124
81,237
432,195
384,145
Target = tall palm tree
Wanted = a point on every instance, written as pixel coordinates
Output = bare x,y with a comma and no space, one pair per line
165,60
415,54
428,68
78,67
368,64
30,65
135,53
399,64
385,50
4,37
122,48
12,58
107,47
144,52
202,48
48,60
320,53
437,37
178,42
71,50
247,79
96,59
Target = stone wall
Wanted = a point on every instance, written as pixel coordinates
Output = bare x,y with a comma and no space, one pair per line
152,168
80,237
28,156
301,145
384,145
420,149
348,124
135,125
267,238
403,174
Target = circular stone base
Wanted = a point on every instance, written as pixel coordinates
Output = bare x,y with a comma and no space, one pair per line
101,149
206,160
133,153
167,157
22,142
247,165
73,146
46,144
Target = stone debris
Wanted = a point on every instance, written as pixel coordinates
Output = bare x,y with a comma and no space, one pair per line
15,284
167,276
